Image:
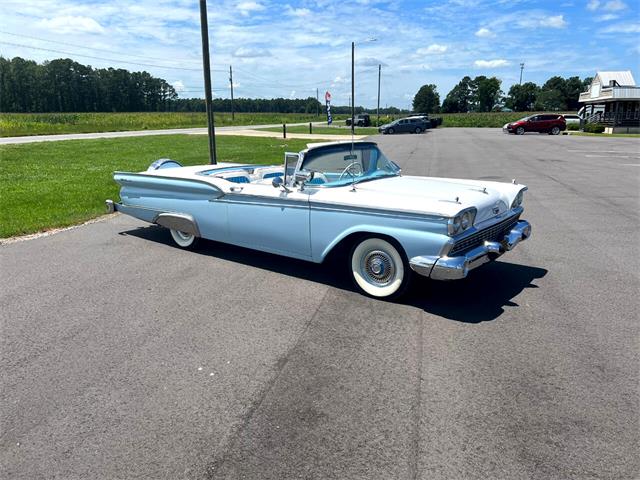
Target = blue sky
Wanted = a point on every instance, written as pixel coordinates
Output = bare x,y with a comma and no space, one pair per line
288,49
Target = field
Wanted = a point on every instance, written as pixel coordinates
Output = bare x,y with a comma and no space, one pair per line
326,130
19,124
489,119
55,184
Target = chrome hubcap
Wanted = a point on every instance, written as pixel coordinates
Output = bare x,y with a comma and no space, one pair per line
378,268
183,235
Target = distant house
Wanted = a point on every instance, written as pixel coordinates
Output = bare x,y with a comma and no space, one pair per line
613,100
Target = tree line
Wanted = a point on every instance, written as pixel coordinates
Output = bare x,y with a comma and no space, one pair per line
64,85
483,94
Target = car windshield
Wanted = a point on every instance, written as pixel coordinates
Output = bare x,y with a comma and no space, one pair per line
524,119
338,165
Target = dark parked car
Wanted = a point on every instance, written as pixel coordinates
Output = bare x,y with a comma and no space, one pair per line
417,124
360,120
552,124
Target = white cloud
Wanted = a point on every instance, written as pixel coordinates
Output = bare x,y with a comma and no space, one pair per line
71,24
491,63
623,28
292,94
178,85
246,8
248,52
593,5
607,17
432,49
370,62
614,5
298,12
555,21
485,33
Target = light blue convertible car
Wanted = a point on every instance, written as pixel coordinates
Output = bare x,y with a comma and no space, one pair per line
347,194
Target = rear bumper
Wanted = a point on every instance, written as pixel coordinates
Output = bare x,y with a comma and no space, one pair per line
455,268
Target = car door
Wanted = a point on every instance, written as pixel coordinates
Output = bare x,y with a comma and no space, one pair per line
271,219
533,125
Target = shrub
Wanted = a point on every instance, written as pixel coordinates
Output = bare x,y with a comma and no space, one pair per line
573,126
593,128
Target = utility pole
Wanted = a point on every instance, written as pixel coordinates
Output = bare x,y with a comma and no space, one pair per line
521,68
379,70
231,83
317,103
353,79
204,27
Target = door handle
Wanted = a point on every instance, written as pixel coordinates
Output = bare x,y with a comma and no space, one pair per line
236,189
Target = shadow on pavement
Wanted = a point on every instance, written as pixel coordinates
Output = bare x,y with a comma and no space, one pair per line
478,298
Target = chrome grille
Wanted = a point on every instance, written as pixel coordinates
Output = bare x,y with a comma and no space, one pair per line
492,233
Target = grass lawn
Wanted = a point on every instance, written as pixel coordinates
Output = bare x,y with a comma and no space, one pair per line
19,124
326,130
608,135
56,184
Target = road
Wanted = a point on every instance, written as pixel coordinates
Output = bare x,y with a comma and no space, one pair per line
229,130
124,357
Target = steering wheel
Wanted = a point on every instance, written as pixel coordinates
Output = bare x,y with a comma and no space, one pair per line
348,170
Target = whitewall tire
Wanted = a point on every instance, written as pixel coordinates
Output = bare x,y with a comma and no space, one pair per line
379,269
183,239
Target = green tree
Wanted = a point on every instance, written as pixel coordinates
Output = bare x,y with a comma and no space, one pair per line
426,100
522,98
486,93
553,95
459,98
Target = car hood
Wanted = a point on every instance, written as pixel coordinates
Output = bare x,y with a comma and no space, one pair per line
442,197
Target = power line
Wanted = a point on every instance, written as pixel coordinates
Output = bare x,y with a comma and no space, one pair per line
100,58
94,48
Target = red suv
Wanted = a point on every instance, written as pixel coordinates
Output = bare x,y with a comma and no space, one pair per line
552,124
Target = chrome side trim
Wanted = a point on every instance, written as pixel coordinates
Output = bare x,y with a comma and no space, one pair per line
455,268
329,207
178,221
246,199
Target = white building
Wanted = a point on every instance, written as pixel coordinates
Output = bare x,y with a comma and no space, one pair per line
613,100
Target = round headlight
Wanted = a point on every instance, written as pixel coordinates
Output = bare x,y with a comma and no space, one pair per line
465,221
518,200
455,225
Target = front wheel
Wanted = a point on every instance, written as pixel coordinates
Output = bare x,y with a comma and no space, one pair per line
379,269
520,131
418,130
555,130
184,239
391,131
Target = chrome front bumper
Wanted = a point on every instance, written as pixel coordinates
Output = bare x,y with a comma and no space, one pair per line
455,268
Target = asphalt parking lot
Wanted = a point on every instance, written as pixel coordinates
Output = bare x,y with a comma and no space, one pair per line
124,357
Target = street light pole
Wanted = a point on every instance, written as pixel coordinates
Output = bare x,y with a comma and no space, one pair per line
521,68
231,84
353,79
204,27
378,111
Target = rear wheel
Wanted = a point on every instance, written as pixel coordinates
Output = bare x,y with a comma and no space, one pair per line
184,239
555,130
379,269
520,131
